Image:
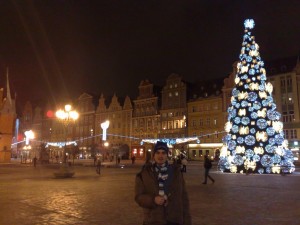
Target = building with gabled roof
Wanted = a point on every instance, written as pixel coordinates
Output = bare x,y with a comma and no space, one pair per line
7,121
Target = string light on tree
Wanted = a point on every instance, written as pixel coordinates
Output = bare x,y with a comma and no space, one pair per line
255,139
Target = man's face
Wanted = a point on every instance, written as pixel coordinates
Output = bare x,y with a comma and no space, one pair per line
160,156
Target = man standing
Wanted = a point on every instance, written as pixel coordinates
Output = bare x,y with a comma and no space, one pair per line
207,167
160,190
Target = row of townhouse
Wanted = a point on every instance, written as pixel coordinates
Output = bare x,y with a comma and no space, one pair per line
177,110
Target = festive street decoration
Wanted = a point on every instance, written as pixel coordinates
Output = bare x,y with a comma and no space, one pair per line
171,141
254,142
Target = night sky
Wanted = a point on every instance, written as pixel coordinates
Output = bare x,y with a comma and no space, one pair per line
58,49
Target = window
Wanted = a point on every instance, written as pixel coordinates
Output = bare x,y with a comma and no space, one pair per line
175,85
176,124
194,153
201,122
149,124
208,121
289,81
170,125
200,153
216,134
282,82
293,134
193,123
164,125
290,98
286,134
176,93
170,94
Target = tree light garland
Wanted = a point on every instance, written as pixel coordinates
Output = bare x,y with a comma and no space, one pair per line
255,140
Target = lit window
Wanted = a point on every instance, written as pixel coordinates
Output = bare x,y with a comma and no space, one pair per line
176,93
170,94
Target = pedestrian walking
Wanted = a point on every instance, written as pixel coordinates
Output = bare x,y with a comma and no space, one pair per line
34,161
184,163
160,191
133,159
207,167
95,160
98,168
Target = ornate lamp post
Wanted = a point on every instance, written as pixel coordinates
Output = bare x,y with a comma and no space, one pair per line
65,116
104,127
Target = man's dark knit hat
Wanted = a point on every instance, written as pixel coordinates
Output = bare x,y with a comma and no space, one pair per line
161,145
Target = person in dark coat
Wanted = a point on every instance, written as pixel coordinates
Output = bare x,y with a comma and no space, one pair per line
207,167
160,190
34,161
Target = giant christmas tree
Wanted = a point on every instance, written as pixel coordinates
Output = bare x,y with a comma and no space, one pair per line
255,140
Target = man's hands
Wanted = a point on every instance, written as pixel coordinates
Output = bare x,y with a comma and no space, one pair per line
161,200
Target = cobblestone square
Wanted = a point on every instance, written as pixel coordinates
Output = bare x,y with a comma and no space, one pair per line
32,196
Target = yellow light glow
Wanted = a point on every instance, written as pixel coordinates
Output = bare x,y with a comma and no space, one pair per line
68,108
262,113
277,125
228,126
253,53
269,87
276,169
262,94
244,69
240,149
244,130
259,150
242,95
223,151
261,136
250,164
242,112
280,150
233,169
253,86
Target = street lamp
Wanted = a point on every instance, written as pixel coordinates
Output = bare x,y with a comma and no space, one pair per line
66,116
104,127
27,148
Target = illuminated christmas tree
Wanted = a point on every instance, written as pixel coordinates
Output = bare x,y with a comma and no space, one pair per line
255,139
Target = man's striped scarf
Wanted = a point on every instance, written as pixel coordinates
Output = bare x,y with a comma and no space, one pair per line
162,177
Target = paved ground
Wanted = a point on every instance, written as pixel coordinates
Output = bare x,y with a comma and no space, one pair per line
33,196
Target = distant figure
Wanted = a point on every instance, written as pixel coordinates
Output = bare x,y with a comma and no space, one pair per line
184,162
207,166
133,159
98,169
95,160
34,161
119,159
